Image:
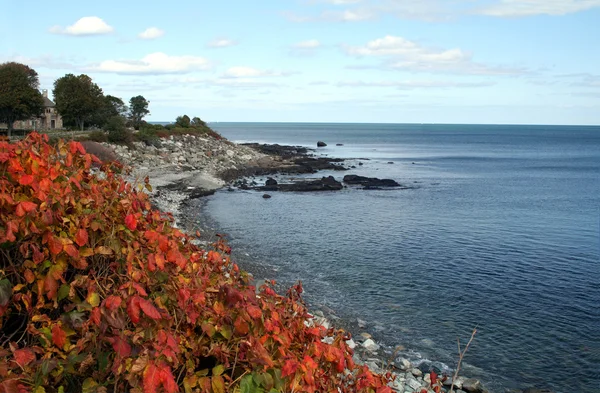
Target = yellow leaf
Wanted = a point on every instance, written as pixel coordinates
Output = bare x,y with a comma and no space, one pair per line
93,299
39,389
102,250
89,386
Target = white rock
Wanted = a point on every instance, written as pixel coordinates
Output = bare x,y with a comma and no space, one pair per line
351,344
416,372
413,383
370,345
404,364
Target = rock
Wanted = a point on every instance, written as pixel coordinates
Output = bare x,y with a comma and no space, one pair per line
459,382
413,383
370,182
537,390
361,324
351,344
404,364
416,372
339,144
397,386
390,162
271,182
266,196
321,144
366,336
472,385
370,345
360,163
324,184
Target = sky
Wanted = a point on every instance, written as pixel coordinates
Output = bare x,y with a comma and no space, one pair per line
364,61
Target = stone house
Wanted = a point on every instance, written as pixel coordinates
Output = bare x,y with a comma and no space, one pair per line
50,119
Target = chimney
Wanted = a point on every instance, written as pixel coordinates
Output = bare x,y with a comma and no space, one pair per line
45,93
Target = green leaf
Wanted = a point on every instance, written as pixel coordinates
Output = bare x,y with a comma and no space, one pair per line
5,292
247,385
89,386
63,292
218,370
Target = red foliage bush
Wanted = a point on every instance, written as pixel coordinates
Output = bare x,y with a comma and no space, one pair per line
99,292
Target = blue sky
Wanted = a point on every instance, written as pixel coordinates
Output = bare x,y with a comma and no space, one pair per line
398,61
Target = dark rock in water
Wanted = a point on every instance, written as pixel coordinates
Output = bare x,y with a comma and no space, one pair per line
353,167
230,189
360,163
536,390
370,182
324,184
266,196
390,162
278,150
271,182
321,144
244,187
339,144
199,193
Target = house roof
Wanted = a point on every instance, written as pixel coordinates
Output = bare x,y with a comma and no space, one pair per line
48,102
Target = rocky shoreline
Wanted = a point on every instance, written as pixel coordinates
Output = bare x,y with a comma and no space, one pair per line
187,167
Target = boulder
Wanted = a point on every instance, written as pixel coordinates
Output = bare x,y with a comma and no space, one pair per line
266,196
271,182
321,144
472,385
370,182
416,372
370,345
339,144
404,364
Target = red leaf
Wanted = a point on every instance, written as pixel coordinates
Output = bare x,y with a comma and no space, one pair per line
151,379
24,356
95,316
54,244
112,302
168,381
121,346
81,238
133,309
58,336
24,208
149,309
289,368
71,250
131,222
25,180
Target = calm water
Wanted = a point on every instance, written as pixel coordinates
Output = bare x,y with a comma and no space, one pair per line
500,232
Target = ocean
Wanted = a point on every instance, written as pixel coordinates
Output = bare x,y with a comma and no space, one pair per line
499,231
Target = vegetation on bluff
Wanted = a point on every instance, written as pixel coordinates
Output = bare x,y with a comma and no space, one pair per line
98,292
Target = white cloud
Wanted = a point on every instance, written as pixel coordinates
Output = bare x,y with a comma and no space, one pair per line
415,84
153,64
309,44
88,25
221,43
349,15
520,8
408,55
151,33
250,72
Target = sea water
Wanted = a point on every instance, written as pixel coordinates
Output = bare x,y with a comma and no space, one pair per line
499,230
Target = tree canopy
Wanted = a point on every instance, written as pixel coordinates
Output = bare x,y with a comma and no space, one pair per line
20,98
138,109
78,99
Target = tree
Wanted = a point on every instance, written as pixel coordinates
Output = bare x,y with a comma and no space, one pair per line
138,108
198,122
20,98
78,99
111,106
182,121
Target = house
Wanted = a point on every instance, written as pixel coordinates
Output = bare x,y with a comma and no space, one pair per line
50,119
